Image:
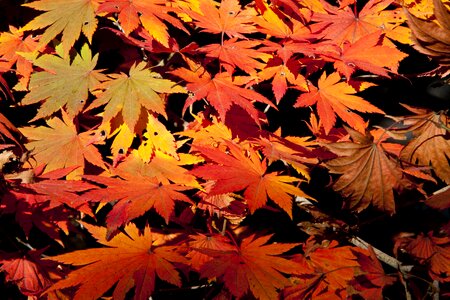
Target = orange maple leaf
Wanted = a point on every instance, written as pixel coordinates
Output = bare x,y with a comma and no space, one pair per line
294,151
369,176
325,272
221,91
233,53
368,54
431,36
11,43
334,97
164,167
69,17
135,195
252,266
282,74
131,260
342,24
150,13
229,18
201,241
236,171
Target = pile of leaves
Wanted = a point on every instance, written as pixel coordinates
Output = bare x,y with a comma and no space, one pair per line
223,149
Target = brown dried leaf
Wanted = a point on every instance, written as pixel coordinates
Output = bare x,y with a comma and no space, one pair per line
369,176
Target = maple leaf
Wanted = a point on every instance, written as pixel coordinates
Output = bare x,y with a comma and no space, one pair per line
342,24
150,13
282,74
11,43
131,260
221,92
29,272
275,23
223,206
326,271
434,251
63,83
131,94
233,53
205,132
53,188
253,266
157,137
201,241
371,282
8,130
334,97
367,54
60,145
40,200
292,150
229,19
430,143
135,195
69,17
164,167
368,175
237,171
431,37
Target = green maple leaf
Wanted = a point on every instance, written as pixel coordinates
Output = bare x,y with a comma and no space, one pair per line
63,83
129,94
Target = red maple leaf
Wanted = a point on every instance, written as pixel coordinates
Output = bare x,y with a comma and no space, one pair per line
221,91
12,43
236,171
29,272
430,250
42,200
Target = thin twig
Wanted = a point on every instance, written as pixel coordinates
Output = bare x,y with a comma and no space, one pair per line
386,258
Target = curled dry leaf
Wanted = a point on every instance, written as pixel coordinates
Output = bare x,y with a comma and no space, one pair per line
432,37
431,143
